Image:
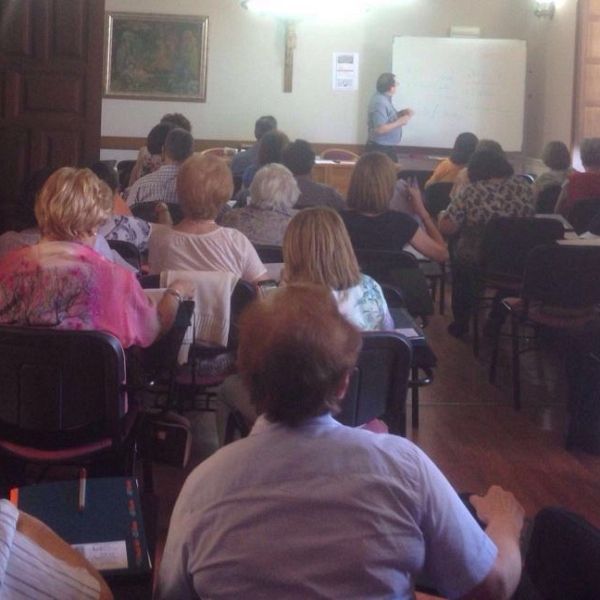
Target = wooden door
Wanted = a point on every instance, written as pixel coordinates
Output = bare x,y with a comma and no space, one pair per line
50,87
587,103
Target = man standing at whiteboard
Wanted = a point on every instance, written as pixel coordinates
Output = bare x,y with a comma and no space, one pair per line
384,121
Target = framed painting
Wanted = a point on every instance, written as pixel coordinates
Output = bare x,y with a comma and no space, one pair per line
155,57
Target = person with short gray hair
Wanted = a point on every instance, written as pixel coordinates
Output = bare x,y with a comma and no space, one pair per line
273,192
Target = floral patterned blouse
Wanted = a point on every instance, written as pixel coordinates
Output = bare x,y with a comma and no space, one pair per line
70,286
477,203
364,306
260,226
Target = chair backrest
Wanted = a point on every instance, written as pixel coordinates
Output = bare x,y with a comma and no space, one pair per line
60,389
243,293
339,154
437,197
147,211
546,199
128,251
421,175
563,276
379,382
215,152
268,253
563,556
582,213
507,242
124,168
160,359
400,269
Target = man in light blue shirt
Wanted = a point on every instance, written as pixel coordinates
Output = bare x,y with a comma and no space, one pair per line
385,123
305,507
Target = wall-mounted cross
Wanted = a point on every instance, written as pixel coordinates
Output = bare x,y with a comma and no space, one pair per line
290,46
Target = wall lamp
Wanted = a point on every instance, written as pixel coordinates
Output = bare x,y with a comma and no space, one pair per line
544,9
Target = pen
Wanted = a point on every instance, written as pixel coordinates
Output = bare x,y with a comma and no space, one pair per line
82,486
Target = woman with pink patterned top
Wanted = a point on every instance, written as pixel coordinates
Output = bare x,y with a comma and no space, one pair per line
62,282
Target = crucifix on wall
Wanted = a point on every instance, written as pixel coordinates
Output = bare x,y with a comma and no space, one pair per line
290,46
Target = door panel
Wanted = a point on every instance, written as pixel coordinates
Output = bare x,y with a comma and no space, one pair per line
50,86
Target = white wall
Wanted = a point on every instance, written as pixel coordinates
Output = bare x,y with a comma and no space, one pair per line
246,55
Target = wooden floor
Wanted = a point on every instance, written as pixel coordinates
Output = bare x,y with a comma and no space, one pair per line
471,431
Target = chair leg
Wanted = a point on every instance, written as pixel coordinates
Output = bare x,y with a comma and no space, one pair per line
516,366
415,397
476,329
443,289
495,351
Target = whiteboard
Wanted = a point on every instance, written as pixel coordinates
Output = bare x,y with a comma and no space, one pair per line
458,84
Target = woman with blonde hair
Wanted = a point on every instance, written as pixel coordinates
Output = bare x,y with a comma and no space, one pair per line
198,243
370,222
62,282
317,249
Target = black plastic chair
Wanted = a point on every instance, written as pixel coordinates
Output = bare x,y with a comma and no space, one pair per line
377,389
124,168
437,197
378,384
147,211
63,400
421,175
128,252
269,254
582,214
506,244
563,556
547,198
399,269
560,291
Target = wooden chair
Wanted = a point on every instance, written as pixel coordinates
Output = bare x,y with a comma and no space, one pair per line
64,400
339,154
560,291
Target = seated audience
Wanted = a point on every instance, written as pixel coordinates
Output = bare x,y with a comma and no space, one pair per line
197,243
242,160
160,185
370,222
150,157
557,158
121,224
273,192
462,178
581,185
305,507
493,192
299,158
37,563
448,169
62,282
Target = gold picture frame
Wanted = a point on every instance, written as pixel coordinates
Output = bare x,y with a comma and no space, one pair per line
155,57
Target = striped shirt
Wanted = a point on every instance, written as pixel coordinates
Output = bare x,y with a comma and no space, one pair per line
28,571
158,186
